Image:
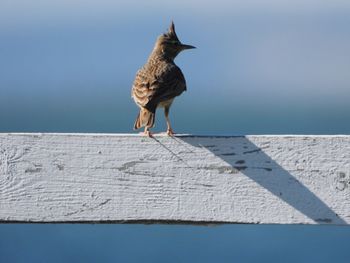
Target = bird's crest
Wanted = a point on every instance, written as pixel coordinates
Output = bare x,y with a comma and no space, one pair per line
171,34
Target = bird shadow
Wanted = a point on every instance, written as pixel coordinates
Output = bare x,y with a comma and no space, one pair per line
244,156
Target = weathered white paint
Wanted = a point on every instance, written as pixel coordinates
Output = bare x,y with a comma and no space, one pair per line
192,179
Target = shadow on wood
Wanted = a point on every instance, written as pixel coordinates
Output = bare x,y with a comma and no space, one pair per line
244,156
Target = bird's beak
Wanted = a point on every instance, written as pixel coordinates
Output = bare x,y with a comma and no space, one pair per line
183,46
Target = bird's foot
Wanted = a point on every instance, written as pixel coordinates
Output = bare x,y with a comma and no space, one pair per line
170,132
147,134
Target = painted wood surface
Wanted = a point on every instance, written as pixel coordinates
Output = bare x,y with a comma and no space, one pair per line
186,179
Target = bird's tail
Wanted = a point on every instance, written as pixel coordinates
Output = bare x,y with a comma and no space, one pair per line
144,118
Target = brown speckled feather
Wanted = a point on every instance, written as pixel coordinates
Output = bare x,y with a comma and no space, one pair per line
157,82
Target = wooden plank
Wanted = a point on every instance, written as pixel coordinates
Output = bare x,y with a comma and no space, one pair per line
186,179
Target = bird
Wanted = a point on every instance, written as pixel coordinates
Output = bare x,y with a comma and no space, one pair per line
159,81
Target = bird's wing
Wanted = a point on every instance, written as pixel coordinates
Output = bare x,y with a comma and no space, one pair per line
149,92
140,89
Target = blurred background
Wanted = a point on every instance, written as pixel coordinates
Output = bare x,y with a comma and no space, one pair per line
260,67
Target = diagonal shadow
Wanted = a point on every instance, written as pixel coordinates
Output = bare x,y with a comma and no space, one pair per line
243,155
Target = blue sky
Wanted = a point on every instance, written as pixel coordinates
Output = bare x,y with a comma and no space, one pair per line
286,62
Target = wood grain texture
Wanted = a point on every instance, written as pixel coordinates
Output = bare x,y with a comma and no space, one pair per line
186,179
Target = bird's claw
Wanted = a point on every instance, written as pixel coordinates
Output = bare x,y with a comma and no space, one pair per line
148,134
170,132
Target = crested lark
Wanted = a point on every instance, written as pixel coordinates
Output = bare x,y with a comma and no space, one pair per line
159,81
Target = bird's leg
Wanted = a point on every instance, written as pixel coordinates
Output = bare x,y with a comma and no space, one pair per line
147,132
169,131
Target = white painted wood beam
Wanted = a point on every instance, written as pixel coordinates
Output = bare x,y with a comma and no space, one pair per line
120,178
